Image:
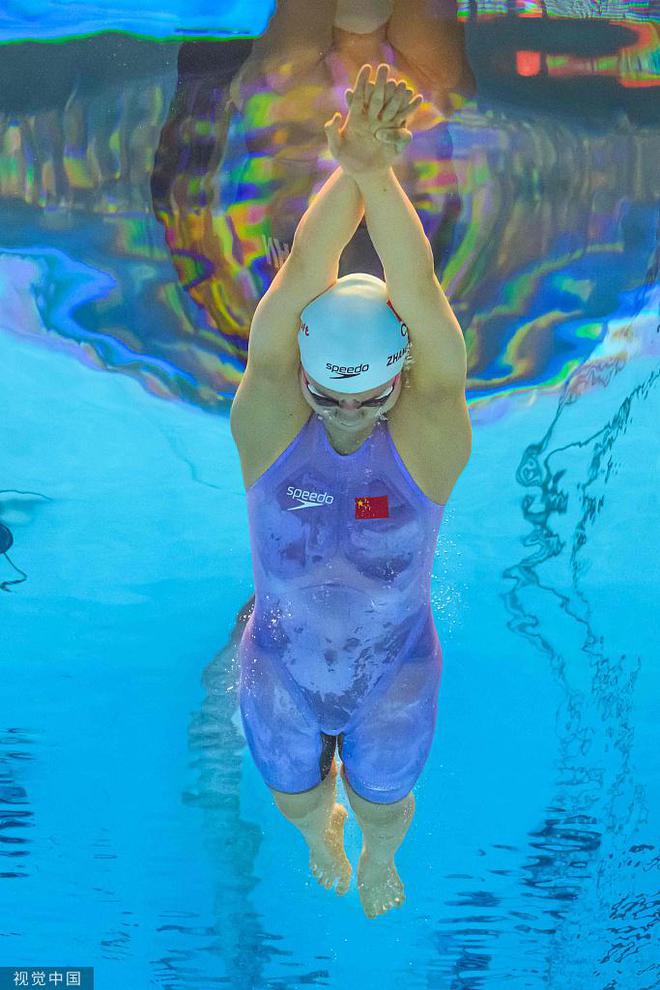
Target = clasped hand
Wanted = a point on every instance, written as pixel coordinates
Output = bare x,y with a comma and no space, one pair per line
374,133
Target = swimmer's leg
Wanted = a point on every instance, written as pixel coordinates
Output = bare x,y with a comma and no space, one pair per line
298,35
295,758
384,828
429,36
383,751
297,26
320,820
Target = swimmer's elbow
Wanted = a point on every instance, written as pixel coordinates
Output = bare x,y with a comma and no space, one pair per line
274,328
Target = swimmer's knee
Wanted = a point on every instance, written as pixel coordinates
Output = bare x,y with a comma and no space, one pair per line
300,803
297,804
380,810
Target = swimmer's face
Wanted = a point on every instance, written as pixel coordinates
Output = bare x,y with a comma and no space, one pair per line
347,411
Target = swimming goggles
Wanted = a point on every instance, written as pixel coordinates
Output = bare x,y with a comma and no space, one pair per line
328,401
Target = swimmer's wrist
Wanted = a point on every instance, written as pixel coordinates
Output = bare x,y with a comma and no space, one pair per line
368,177
367,172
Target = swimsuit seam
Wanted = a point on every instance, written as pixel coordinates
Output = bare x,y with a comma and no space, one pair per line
408,476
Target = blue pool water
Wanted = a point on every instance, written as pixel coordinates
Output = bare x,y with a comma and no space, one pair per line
136,835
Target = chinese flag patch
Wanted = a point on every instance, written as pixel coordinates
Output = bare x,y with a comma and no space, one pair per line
372,507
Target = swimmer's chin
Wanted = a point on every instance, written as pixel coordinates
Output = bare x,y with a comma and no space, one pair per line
350,423
348,428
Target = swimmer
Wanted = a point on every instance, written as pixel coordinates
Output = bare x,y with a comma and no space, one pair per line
352,429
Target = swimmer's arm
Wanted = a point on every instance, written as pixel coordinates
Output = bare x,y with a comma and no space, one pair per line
397,234
329,222
311,267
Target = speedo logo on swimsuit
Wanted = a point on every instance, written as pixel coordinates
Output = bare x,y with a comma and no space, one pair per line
306,499
347,372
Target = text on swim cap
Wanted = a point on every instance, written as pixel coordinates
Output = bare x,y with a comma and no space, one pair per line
391,358
304,328
404,326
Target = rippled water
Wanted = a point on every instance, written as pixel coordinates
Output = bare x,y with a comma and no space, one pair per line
135,832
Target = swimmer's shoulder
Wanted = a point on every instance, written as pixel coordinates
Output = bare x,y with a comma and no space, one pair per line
268,413
433,445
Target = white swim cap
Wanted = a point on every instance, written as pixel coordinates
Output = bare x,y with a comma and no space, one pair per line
350,337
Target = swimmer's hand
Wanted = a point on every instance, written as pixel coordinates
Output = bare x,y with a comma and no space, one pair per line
375,132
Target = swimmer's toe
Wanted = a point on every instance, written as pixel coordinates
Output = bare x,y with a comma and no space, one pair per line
327,860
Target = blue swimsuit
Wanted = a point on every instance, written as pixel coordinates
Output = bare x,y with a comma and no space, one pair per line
341,641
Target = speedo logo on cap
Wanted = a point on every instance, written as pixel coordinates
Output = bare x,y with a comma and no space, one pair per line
350,371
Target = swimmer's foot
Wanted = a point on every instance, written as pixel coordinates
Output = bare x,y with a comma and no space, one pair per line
379,885
327,859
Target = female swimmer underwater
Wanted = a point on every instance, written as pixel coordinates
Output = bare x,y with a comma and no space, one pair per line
345,503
